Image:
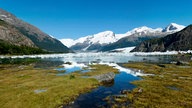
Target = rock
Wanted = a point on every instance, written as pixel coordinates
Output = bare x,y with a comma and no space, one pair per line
140,90
182,63
144,59
105,78
108,83
178,63
173,62
125,91
72,102
69,63
161,65
119,96
39,91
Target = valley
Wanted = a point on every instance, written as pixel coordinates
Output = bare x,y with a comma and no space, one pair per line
101,54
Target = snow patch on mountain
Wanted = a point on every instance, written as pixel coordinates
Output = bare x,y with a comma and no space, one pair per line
143,29
124,50
173,27
68,42
3,16
104,38
119,36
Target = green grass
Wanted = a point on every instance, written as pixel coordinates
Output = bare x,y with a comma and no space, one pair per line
18,85
170,87
100,69
10,49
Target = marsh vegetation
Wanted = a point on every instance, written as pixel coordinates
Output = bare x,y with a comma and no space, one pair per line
170,86
24,85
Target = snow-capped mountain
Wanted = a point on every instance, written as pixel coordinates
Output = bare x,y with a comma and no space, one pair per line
173,27
179,41
108,37
105,37
97,41
143,31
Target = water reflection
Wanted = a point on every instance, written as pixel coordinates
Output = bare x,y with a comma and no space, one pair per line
95,98
90,58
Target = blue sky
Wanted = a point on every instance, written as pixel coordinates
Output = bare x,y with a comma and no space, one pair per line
77,18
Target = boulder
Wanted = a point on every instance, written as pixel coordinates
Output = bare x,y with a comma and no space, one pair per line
140,90
182,63
125,91
105,78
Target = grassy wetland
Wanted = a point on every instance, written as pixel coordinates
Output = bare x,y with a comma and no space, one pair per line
170,86
22,85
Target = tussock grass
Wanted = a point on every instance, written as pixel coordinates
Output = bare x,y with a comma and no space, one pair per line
19,83
100,69
170,87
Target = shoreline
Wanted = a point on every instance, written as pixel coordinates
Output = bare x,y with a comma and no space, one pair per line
170,79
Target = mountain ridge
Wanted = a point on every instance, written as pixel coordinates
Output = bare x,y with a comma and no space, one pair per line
39,38
181,40
10,34
108,40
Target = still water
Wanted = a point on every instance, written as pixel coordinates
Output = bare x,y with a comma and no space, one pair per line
92,57
95,98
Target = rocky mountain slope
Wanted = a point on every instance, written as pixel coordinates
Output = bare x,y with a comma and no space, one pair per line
108,40
14,42
39,38
11,35
181,40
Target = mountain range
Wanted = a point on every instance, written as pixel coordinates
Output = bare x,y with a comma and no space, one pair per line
108,40
179,41
19,37
14,31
